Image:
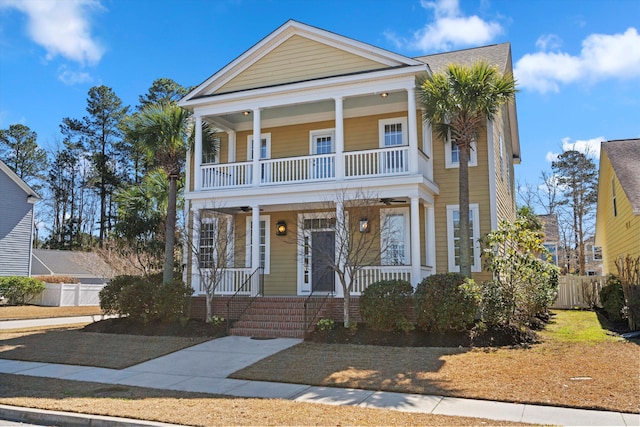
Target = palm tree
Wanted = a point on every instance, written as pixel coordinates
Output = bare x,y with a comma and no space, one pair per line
165,131
458,102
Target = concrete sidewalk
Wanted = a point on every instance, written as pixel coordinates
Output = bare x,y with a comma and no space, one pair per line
190,370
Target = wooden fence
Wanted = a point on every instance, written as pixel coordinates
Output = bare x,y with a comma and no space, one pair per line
578,291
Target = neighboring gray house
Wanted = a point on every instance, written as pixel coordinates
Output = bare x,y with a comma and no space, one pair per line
87,267
16,223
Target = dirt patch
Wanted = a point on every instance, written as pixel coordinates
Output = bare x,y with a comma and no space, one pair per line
362,335
190,328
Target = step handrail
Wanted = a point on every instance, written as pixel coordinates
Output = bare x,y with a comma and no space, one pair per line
307,322
246,284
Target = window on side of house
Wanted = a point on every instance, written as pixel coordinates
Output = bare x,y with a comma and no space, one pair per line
452,154
207,244
453,236
265,245
394,236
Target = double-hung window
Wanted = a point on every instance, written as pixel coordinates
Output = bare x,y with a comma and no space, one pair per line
393,134
452,154
453,237
394,236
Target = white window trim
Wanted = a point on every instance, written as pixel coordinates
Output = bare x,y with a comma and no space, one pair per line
321,132
228,232
304,289
267,242
266,136
394,120
473,158
475,209
404,211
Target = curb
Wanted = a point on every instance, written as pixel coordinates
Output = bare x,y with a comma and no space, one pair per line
67,419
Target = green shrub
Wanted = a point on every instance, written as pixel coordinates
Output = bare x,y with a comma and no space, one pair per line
146,298
497,304
612,298
384,305
446,302
20,290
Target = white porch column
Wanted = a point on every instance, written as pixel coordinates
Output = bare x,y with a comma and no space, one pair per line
415,242
340,228
255,248
412,123
257,143
430,244
197,155
231,155
339,139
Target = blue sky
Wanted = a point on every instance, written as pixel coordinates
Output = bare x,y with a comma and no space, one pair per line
577,62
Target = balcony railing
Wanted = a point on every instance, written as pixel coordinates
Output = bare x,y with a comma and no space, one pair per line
368,163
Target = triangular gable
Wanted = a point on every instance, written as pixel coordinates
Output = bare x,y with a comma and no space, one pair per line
297,52
19,182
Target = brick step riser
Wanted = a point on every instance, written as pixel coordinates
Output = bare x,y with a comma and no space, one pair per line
267,334
268,325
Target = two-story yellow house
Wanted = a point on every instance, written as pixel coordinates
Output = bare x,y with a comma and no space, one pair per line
336,116
618,212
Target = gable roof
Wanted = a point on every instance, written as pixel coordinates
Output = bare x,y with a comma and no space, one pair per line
87,267
624,155
15,178
495,54
292,32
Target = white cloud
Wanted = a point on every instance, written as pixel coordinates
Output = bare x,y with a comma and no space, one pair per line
451,28
588,147
70,77
603,56
548,41
62,27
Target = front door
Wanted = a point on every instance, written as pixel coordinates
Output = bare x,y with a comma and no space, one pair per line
323,244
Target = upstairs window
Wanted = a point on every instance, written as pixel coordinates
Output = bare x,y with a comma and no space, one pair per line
393,132
209,150
452,154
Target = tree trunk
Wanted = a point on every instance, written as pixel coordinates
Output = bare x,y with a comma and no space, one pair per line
208,298
170,231
465,247
347,309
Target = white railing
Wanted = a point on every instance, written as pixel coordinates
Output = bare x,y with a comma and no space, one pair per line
68,294
369,275
578,291
299,169
232,279
380,162
322,167
227,175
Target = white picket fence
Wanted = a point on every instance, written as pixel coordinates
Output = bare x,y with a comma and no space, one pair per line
578,291
68,294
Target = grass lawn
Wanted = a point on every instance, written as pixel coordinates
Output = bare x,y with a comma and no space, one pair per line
197,409
578,365
38,312
69,345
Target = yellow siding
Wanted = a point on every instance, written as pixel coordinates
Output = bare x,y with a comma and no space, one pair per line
506,206
298,59
447,180
617,235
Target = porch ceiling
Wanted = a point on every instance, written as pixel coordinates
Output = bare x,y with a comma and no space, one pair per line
318,108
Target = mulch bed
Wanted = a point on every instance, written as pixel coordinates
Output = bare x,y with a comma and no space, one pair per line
190,328
506,336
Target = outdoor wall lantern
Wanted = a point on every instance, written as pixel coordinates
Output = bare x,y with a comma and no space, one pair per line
384,94
281,228
246,113
364,225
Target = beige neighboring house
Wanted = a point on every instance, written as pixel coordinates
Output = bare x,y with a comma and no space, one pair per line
333,114
618,214
551,236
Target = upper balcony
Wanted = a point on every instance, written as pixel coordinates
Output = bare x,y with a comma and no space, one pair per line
382,162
